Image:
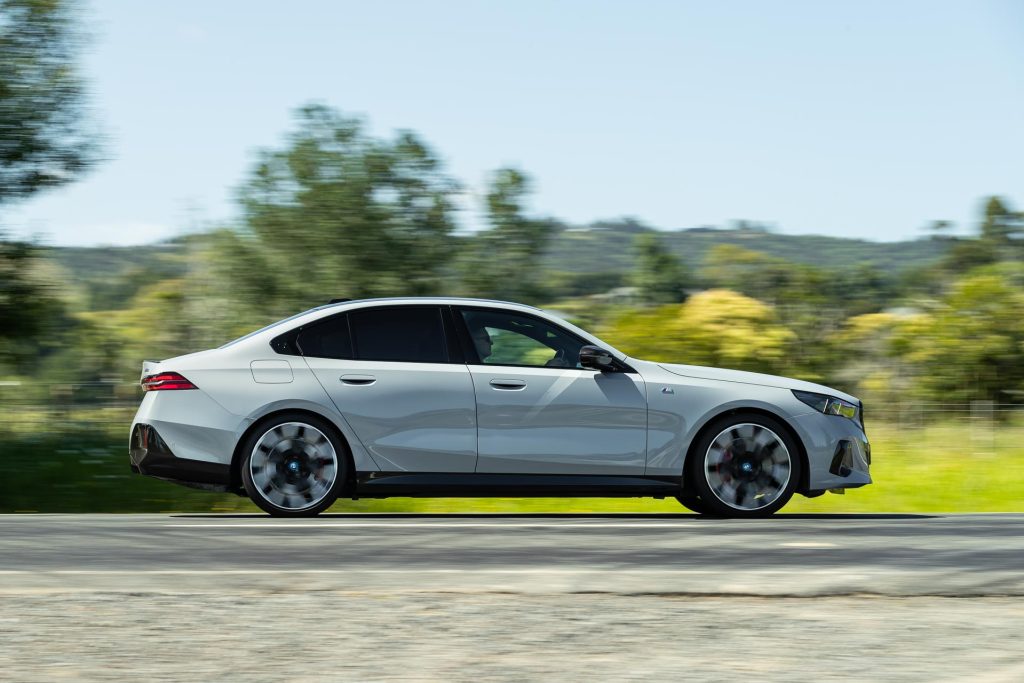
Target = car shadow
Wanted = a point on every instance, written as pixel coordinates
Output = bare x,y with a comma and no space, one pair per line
557,515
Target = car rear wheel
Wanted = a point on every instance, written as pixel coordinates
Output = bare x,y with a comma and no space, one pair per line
745,465
295,466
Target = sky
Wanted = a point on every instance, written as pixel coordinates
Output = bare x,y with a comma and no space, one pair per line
866,119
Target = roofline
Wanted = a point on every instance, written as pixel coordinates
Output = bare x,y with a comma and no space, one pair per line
417,299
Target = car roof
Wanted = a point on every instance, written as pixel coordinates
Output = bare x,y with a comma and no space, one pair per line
425,300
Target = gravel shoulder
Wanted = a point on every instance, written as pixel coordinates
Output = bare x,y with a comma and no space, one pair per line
308,636
512,598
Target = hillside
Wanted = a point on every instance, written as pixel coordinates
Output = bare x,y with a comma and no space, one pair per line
608,248
110,276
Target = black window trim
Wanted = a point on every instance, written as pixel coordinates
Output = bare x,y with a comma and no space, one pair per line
472,358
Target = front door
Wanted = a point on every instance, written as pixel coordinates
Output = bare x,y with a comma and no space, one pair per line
390,371
539,413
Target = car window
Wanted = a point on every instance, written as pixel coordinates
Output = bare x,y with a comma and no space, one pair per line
327,338
397,333
502,338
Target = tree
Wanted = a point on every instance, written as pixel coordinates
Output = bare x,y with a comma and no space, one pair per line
1000,238
940,230
971,345
659,275
716,327
338,213
43,140
999,225
27,307
503,262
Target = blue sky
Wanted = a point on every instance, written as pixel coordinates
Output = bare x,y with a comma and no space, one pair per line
865,119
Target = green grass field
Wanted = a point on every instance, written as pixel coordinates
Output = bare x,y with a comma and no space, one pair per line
956,467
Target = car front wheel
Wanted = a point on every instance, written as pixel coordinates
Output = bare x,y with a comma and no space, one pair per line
745,465
294,466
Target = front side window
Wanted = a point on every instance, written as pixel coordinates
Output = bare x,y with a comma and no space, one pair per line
396,333
503,338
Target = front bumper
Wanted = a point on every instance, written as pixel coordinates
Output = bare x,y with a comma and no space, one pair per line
838,452
150,455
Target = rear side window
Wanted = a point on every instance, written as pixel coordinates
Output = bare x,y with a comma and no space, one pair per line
326,338
395,333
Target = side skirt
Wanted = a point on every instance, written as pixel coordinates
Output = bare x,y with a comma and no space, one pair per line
438,485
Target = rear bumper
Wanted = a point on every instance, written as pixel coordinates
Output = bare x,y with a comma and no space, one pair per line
150,455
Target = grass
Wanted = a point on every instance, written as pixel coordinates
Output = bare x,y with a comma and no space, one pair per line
954,467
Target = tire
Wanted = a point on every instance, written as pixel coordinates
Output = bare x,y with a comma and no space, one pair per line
744,465
295,465
692,502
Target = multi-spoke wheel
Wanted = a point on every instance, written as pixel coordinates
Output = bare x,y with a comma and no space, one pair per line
294,466
745,466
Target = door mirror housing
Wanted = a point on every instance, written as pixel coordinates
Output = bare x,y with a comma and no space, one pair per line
596,358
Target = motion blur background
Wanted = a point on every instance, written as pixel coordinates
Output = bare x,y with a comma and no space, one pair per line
800,190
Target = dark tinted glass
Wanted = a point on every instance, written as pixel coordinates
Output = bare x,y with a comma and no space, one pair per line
285,343
326,339
399,334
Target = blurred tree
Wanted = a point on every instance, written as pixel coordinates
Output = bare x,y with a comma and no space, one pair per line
1000,238
940,230
562,283
868,361
971,344
716,327
755,274
43,140
503,262
659,276
337,213
28,307
1000,225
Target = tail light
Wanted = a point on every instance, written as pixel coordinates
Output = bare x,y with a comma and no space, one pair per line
166,381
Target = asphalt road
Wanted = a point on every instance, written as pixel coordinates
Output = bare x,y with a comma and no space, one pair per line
789,555
517,598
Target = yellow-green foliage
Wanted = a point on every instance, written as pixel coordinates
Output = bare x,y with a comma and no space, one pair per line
717,327
971,344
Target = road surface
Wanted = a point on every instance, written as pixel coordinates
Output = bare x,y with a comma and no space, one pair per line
508,597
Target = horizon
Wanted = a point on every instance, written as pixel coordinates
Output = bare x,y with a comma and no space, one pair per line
600,224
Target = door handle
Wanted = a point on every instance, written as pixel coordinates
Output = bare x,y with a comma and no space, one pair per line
508,384
358,380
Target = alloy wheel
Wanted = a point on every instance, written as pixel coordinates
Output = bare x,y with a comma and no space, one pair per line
293,466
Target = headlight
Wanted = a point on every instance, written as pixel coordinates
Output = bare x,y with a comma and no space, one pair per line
830,405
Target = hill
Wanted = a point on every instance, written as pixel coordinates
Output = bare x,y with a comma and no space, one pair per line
607,247
109,276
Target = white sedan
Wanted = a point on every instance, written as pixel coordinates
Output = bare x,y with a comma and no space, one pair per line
465,397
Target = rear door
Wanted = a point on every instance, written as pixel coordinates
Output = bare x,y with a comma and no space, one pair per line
397,376
538,412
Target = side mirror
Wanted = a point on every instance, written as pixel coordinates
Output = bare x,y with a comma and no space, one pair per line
596,358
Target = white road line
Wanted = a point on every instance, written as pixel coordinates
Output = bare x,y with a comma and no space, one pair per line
808,544
344,525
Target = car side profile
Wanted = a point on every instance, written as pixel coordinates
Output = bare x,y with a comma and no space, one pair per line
465,397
